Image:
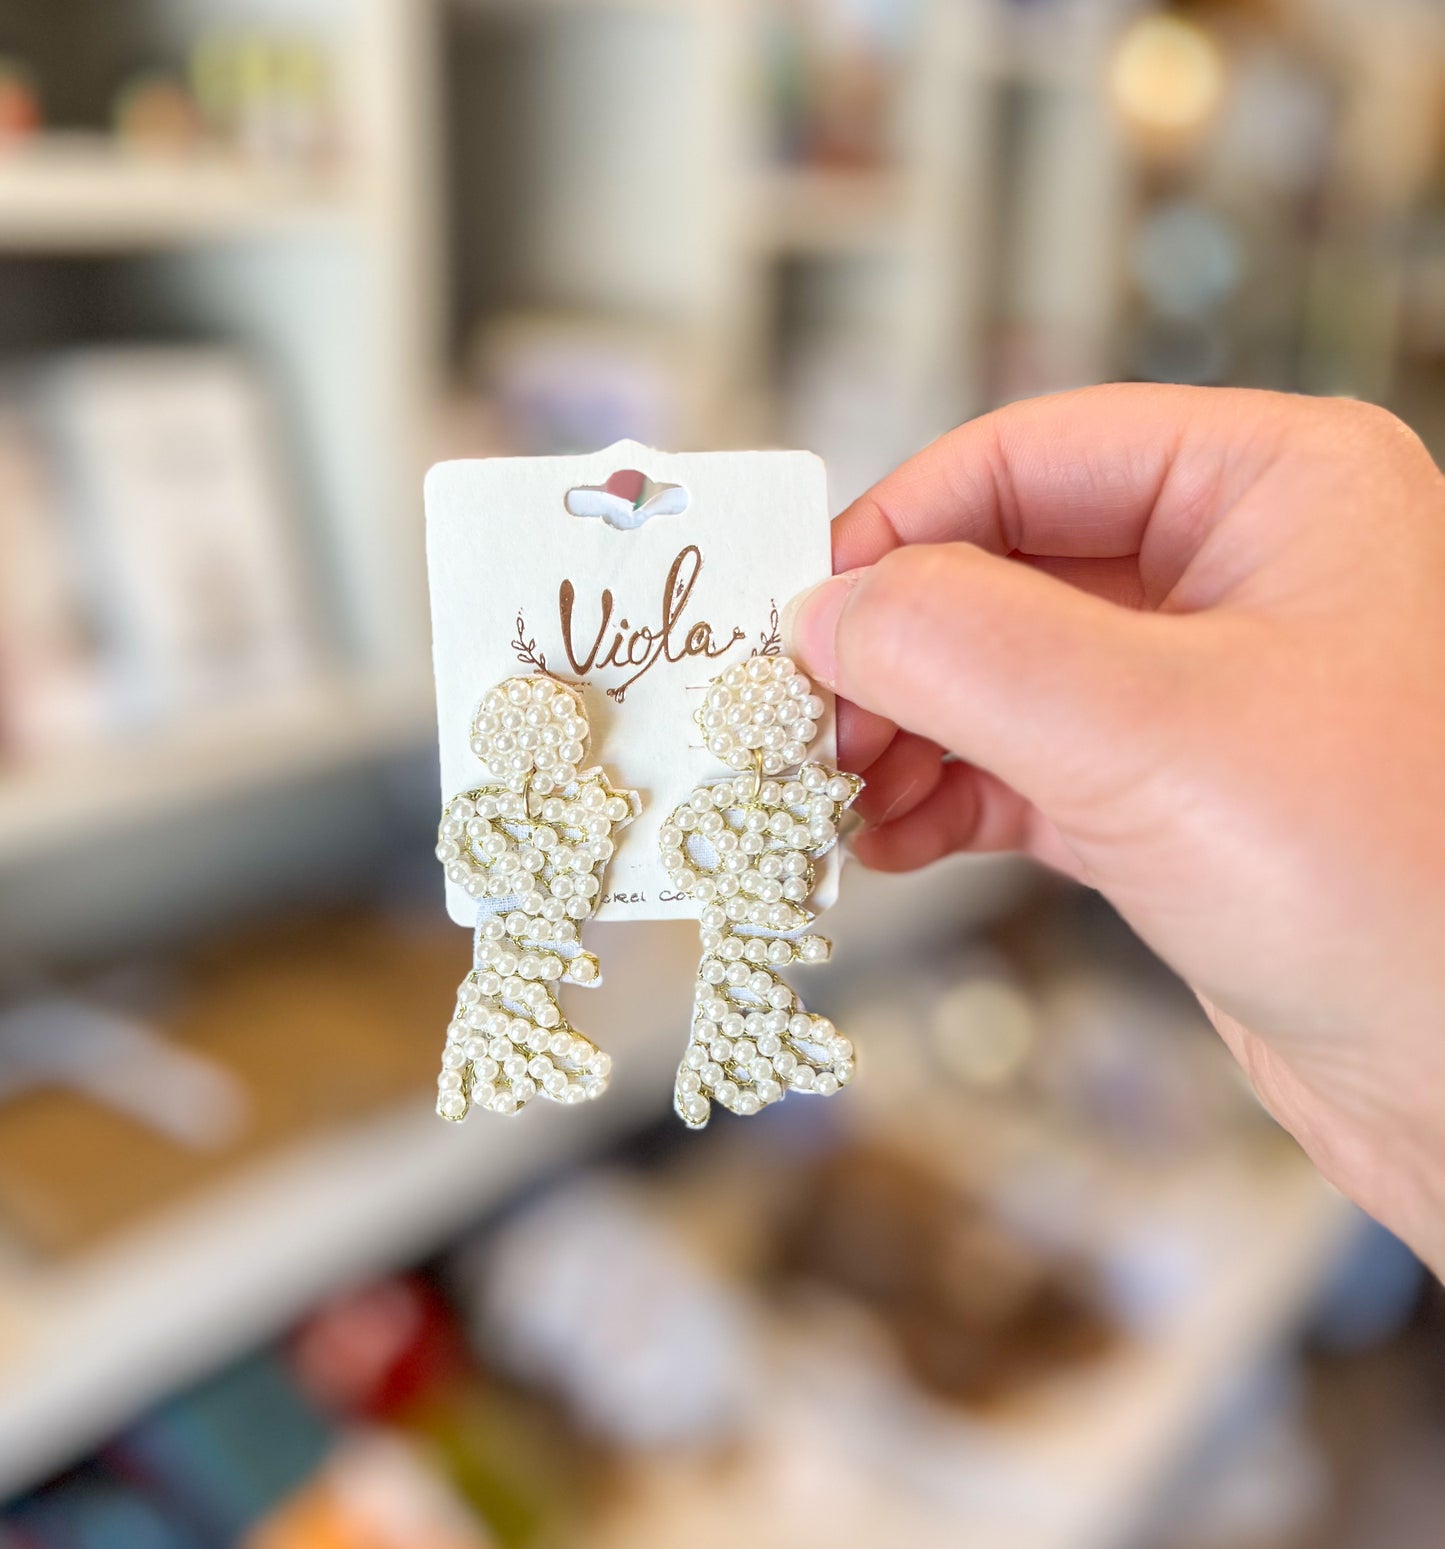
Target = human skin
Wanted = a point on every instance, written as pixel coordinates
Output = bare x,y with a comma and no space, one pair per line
1186,645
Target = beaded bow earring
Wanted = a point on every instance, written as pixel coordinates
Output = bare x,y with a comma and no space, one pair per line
744,848
531,848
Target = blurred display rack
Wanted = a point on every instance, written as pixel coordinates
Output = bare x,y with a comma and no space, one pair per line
119,784
925,210
342,328
1120,1436
599,7
74,192
1085,1462
86,1345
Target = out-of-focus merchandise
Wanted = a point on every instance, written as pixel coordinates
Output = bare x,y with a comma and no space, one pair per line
976,1310
559,383
1055,1026
460,1453
1139,1070
512,1454
95,1506
377,1490
21,114
239,1048
271,96
516,1460
1271,186
163,568
156,112
835,68
1185,259
246,1460
1089,1056
593,1270
224,1454
122,1063
379,1351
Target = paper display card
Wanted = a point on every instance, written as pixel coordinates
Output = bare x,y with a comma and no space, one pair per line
540,565
173,471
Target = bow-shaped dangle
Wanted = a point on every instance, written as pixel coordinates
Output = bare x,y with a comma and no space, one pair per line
745,848
532,850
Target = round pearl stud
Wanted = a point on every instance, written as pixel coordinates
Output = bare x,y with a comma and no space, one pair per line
760,715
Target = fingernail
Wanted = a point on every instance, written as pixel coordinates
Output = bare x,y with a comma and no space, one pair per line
810,626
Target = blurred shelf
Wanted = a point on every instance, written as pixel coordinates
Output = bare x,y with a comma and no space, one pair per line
99,789
1111,1442
1082,1463
596,7
819,211
89,193
94,1345
86,1345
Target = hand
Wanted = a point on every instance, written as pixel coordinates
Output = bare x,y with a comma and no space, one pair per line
1187,645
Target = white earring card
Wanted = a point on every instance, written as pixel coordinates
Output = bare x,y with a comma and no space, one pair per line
636,592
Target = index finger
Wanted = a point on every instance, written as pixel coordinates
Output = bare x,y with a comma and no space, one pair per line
1093,474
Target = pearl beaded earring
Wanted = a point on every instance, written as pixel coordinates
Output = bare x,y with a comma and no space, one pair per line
744,848
532,849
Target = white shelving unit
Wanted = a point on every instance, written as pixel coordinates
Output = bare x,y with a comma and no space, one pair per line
84,193
86,796
326,276
905,246
83,1350
90,1347
1081,1464
86,1345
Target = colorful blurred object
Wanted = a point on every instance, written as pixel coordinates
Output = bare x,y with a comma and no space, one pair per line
977,1311
590,1272
267,94
20,111
1168,80
157,113
376,1491
380,1351
226,1453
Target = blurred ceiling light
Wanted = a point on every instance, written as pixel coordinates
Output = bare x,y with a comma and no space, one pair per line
1166,78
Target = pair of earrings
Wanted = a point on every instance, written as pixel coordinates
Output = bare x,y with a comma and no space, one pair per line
532,848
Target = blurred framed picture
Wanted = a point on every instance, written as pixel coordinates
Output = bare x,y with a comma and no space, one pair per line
173,476
52,673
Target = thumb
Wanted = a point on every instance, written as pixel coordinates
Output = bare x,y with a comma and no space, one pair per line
1053,690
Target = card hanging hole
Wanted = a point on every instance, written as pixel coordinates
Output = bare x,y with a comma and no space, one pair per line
627,500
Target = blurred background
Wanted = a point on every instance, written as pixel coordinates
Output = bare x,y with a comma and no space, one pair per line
1046,1277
